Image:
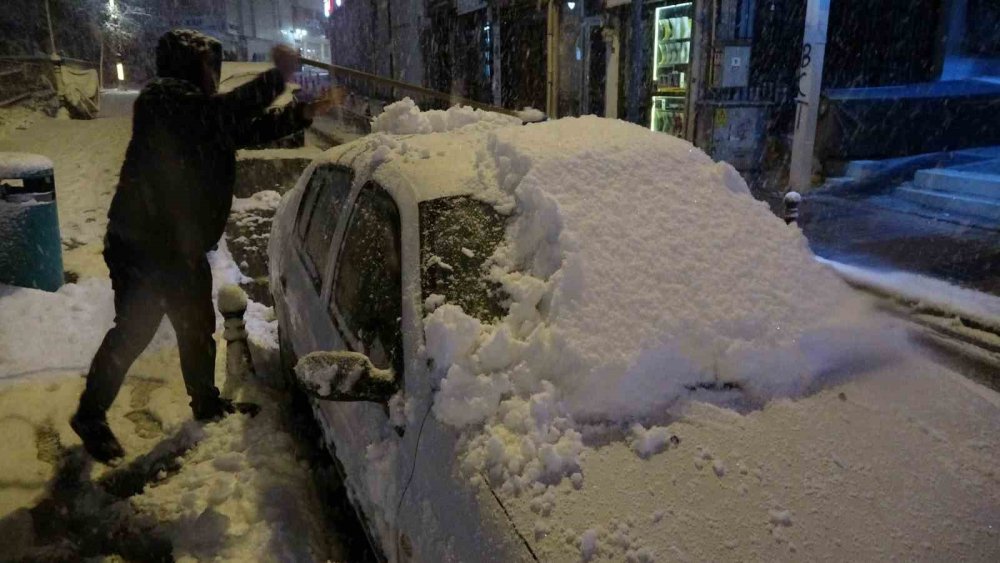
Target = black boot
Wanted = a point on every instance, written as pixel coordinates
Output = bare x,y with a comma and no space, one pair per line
98,439
218,408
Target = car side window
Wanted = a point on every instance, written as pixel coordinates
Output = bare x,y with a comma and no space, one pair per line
326,193
367,292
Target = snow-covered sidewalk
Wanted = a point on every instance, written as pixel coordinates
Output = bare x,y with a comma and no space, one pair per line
87,156
237,490
239,493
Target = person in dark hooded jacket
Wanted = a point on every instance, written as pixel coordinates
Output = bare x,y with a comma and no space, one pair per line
170,208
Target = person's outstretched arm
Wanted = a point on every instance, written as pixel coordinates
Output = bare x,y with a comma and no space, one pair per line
274,123
255,96
225,116
271,125
251,98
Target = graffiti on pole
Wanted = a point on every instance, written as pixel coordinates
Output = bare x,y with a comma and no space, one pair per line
801,99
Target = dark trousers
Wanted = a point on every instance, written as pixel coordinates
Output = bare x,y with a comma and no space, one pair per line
147,286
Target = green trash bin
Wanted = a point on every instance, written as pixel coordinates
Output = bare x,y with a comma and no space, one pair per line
30,246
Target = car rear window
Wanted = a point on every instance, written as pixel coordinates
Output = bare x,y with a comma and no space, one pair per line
457,237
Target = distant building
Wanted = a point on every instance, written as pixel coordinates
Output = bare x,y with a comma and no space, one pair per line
726,75
249,28
382,37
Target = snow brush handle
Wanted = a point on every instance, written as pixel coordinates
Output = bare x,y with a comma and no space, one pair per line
405,86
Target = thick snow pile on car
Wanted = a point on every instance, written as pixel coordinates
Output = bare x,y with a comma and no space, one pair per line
637,270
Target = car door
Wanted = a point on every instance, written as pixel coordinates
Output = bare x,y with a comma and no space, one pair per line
364,308
321,208
366,294
441,516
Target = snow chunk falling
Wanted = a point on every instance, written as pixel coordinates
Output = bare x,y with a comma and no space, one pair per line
588,544
646,443
531,115
266,199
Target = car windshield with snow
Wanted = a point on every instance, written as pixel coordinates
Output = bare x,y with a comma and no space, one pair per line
504,326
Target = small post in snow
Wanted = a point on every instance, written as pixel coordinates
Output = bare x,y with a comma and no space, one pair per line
232,306
791,207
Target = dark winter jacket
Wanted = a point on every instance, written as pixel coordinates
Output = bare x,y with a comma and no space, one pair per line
176,185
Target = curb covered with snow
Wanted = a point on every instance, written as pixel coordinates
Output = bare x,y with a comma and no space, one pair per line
929,292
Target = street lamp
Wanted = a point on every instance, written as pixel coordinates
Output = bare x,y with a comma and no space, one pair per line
120,69
296,34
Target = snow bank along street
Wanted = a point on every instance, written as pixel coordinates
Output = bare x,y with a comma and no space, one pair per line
675,375
237,490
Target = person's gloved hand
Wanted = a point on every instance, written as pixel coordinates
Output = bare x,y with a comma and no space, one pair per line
331,98
286,60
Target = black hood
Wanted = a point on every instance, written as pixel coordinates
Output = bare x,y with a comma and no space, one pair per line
180,52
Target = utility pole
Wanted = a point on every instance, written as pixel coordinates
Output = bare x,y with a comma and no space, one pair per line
637,62
611,39
810,84
552,60
392,46
62,112
52,36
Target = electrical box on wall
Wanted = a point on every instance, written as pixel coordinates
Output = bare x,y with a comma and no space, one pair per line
735,66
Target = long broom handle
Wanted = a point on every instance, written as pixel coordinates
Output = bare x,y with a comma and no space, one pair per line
406,86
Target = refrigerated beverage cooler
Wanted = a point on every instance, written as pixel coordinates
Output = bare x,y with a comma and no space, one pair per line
671,67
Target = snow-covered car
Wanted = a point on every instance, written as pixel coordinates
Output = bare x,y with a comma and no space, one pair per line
501,326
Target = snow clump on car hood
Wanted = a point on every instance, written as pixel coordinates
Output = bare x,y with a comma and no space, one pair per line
638,271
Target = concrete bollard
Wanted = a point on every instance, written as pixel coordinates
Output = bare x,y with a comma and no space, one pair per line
232,306
791,204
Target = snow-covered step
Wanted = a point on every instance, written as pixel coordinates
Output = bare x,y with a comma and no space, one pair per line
952,203
839,181
980,153
981,179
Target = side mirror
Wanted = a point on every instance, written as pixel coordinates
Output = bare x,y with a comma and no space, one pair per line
344,376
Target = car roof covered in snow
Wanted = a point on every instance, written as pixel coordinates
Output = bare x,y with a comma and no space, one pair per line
429,166
431,154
